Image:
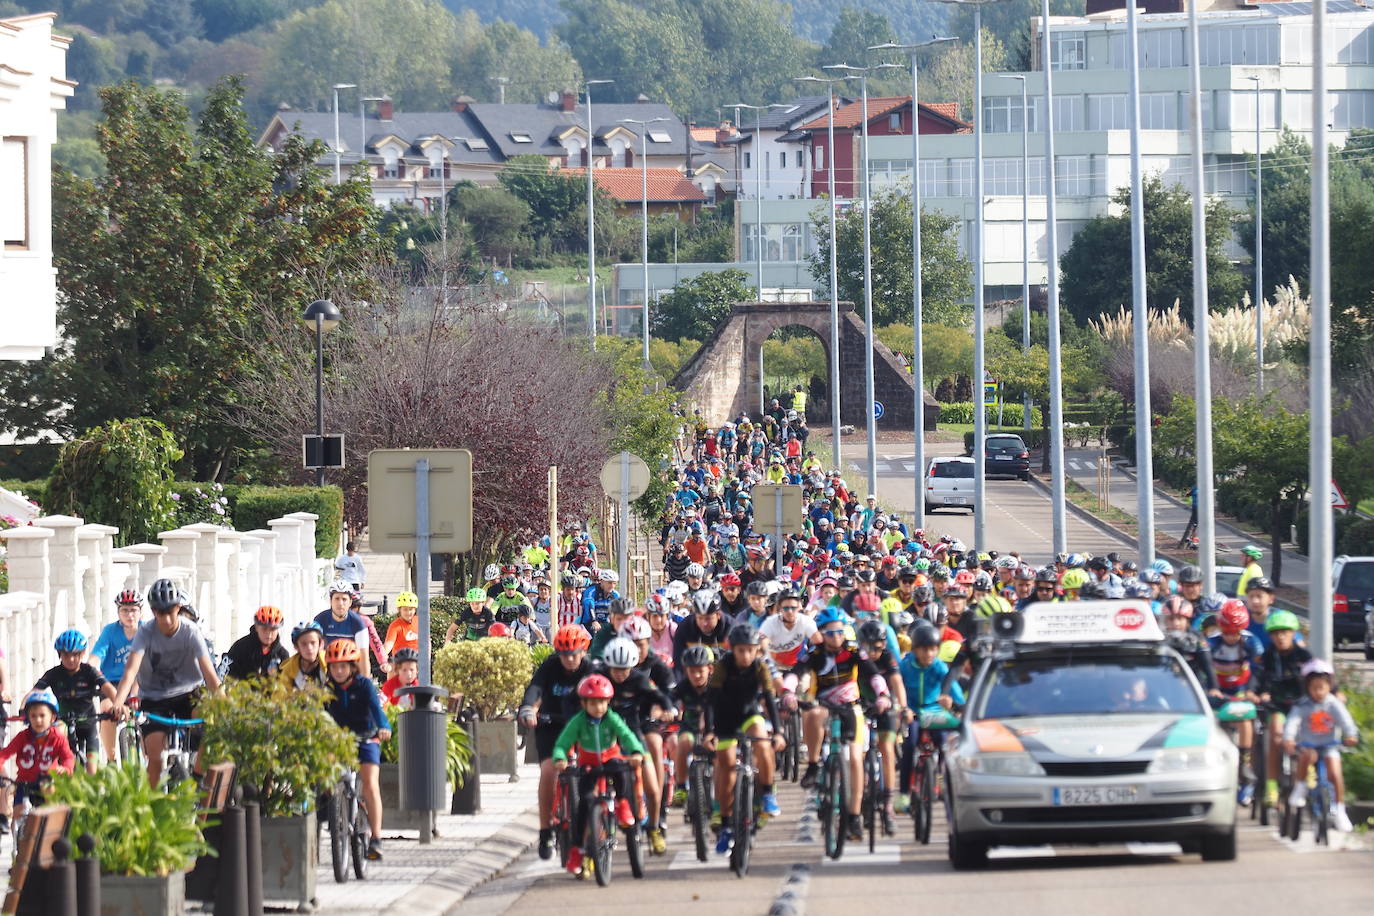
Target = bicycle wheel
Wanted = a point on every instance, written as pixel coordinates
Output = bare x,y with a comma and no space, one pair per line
338,835
793,752
699,805
359,835
926,803
130,748
634,845
743,817
602,841
563,819
836,802
1321,812
918,794
1259,763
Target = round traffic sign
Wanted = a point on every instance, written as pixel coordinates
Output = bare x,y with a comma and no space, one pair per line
878,410
625,471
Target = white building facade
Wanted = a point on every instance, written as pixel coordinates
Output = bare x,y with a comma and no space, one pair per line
33,88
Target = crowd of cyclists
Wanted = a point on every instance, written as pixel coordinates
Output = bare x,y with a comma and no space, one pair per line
866,619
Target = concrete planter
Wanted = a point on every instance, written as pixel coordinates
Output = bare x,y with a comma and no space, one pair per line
138,895
394,816
290,855
1360,812
496,746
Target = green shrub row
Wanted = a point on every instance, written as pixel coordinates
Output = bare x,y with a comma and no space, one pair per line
1012,414
1034,438
1354,534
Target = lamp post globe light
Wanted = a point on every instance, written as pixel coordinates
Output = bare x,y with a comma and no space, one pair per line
644,217
324,316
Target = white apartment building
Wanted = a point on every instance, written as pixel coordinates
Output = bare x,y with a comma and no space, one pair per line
33,88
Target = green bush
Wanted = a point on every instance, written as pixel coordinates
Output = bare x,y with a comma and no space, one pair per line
281,740
490,673
1359,761
256,506
1012,414
1354,534
139,829
118,474
36,490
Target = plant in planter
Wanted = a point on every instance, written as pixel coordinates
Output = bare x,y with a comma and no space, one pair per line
491,675
146,837
539,652
287,747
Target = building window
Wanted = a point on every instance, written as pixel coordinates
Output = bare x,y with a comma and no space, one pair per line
660,136
1107,112
792,248
1002,175
1352,108
14,180
1068,113
1159,111
961,178
932,175
1236,110
1073,176
1002,114
1252,45
1159,49
747,160
818,157
1067,51
618,151
894,122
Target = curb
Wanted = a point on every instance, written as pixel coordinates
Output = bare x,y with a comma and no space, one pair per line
444,891
1082,514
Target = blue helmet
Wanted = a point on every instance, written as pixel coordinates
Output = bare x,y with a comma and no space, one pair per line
41,696
1163,567
71,641
829,615
301,629
1211,604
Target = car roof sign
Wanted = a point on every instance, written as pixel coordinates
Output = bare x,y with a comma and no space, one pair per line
1051,622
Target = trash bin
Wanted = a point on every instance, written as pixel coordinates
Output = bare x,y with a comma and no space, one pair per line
423,749
467,795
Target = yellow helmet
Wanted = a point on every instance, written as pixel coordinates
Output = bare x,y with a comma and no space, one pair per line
407,599
1073,579
993,604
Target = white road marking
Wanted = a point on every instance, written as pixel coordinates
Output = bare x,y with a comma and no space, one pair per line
1154,849
1020,852
686,861
858,854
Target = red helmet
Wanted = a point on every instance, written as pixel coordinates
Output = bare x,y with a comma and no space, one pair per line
268,616
595,687
868,603
1177,606
1234,616
570,638
729,579
498,629
964,577
129,597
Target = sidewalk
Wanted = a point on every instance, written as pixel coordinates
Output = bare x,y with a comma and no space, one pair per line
386,574
415,880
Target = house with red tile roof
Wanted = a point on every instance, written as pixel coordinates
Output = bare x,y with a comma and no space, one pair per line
669,191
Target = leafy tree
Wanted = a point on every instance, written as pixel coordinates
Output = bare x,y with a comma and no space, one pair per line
120,474
530,68
163,266
551,195
497,219
1009,23
854,32
945,274
92,62
949,76
1287,212
225,18
1097,266
696,307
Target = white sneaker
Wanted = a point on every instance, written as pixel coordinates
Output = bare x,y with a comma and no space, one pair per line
1298,797
1342,819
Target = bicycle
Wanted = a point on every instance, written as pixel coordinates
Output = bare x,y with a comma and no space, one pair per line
177,755
700,773
128,742
1229,715
348,825
744,818
789,759
599,843
831,784
81,750
564,812
873,785
930,756
1321,800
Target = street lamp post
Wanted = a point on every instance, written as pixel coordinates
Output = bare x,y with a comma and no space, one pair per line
443,214
917,315
870,423
1144,460
758,186
1259,248
324,316
1025,238
591,218
1319,596
1202,350
644,215
362,122
338,171
834,267
1059,523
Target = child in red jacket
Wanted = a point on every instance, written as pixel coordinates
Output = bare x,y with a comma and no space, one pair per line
40,749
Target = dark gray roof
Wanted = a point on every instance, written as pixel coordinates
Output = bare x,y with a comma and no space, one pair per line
543,123
411,127
796,112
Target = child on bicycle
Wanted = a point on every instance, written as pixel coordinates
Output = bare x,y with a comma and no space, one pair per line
744,702
76,684
1283,686
404,632
111,652
1319,724
1236,657
692,697
405,672
357,706
873,642
923,675
601,737
40,749
637,701
259,652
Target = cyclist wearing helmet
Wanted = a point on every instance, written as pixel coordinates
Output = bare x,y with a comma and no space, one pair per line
1177,615
568,604
601,737
1283,686
733,598
356,705
873,637
744,702
832,675
1252,555
1022,587
405,672
305,667
1259,597
619,610
923,675
476,618
179,665
755,608
692,697
707,627
111,653
1237,656
787,634
525,629
596,600
76,684
342,622
260,652
1190,583
1100,568
404,631
39,748
509,600
1319,724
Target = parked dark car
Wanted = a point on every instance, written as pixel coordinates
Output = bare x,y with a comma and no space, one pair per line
1006,454
1353,579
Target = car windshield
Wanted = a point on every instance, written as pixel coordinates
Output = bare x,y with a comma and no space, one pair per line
1088,687
1357,579
1227,582
953,469
1006,444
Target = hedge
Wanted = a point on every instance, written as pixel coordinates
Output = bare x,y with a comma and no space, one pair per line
1354,535
1034,438
254,507
1012,414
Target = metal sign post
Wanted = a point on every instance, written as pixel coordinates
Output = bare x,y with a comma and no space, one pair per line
625,477
422,560
786,513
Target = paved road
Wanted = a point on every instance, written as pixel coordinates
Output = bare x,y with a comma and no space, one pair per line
1046,880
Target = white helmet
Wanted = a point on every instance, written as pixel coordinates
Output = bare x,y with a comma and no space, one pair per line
696,569
492,571
636,628
608,575
1007,562
675,591
338,587
621,653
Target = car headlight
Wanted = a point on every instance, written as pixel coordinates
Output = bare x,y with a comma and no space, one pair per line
1179,759
1002,764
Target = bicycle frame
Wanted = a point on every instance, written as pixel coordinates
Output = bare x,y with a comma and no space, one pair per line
176,756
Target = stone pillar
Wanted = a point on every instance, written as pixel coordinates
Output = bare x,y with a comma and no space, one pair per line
88,541
150,570
248,571
26,551
64,586
109,586
310,579
266,572
125,566
231,582
290,576
210,600
179,563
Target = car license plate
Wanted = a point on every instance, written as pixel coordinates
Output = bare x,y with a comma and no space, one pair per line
1095,795
1002,457
955,501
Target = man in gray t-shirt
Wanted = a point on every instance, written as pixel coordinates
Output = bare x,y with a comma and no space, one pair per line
171,666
